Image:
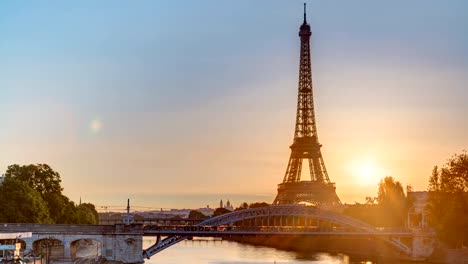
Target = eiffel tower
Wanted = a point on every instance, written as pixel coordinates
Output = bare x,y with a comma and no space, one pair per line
318,191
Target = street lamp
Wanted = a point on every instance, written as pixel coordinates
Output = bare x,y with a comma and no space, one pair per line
16,248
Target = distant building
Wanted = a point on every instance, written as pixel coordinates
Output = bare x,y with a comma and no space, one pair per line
227,206
2,178
206,211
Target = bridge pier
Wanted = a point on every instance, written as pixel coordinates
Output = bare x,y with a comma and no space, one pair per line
67,251
422,246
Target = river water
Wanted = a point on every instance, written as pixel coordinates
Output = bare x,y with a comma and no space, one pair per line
208,251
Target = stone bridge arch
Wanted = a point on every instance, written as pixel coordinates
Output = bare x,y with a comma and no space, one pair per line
86,247
50,247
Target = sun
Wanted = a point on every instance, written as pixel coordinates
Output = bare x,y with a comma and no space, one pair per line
366,172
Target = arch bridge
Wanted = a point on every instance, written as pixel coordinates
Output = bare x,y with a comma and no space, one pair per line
284,220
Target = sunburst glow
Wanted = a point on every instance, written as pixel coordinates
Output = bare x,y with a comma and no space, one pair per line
367,172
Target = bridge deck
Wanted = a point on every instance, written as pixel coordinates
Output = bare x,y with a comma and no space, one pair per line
283,233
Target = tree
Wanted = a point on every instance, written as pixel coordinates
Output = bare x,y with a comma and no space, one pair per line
59,208
21,204
92,208
371,200
388,209
40,177
221,211
258,205
194,214
84,215
243,206
392,202
448,200
390,191
41,181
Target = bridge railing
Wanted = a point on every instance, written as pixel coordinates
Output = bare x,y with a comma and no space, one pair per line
259,229
56,228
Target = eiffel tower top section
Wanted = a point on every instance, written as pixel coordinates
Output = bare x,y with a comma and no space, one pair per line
305,28
305,118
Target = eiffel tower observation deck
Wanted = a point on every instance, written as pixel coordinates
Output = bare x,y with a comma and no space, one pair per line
318,190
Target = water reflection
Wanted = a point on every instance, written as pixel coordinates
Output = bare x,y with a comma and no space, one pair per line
227,252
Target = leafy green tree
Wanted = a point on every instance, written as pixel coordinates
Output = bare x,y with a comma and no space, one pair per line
84,215
59,208
42,181
92,208
448,200
21,204
40,177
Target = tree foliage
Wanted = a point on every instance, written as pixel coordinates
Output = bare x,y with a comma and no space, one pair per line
33,194
21,203
221,211
40,177
85,215
258,205
388,209
392,201
242,206
194,214
245,205
448,200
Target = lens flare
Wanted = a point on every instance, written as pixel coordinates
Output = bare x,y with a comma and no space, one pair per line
95,126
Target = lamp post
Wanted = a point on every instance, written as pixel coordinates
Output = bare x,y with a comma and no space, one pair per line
19,250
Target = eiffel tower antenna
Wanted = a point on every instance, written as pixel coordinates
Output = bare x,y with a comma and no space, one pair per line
305,20
318,190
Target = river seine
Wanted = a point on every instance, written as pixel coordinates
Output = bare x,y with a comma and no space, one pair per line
205,251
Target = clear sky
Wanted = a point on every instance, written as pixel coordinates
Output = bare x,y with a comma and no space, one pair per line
182,103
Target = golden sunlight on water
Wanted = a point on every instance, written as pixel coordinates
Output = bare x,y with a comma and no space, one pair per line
211,251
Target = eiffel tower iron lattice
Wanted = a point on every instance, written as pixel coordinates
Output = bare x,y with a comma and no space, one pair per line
318,191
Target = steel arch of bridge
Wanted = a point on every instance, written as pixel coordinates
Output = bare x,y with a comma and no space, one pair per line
279,211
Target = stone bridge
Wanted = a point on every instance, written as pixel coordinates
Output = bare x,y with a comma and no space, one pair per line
114,242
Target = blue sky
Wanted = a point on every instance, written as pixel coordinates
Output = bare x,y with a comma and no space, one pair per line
154,100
